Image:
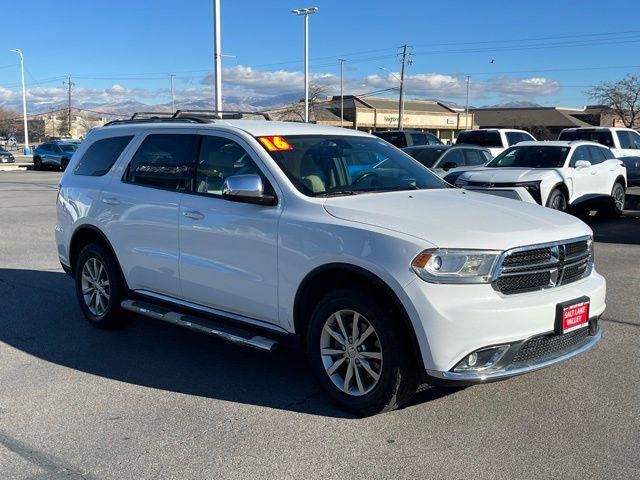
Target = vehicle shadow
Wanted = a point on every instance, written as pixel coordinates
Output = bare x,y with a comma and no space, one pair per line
624,230
39,315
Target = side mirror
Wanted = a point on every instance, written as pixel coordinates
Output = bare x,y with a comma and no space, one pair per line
582,164
449,165
247,189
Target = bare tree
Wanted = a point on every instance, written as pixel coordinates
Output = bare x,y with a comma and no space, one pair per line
295,111
621,96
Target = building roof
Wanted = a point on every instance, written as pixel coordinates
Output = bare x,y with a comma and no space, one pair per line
383,103
524,116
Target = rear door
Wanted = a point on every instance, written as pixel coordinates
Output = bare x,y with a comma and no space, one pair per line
142,209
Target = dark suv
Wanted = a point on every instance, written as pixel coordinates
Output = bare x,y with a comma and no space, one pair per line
408,138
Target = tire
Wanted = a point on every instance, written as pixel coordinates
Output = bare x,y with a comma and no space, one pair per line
63,164
615,205
557,200
37,163
94,262
396,368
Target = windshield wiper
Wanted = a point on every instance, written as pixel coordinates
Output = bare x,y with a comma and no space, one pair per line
337,193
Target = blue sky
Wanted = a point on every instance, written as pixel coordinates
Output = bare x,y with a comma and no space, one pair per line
123,50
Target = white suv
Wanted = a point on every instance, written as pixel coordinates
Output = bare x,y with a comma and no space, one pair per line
263,233
623,142
497,140
556,174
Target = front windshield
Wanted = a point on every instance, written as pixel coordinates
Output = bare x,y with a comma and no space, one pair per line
427,156
531,156
68,147
320,165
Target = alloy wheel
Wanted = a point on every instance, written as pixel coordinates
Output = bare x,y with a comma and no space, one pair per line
351,352
618,197
95,286
558,202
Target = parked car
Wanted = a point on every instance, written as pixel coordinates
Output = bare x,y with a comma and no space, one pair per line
448,161
5,156
497,140
255,232
622,141
408,138
633,170
53,154
555,174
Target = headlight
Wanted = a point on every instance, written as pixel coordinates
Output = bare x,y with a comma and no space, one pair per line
533,188
455,266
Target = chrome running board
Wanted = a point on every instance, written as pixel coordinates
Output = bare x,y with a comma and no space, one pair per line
233,334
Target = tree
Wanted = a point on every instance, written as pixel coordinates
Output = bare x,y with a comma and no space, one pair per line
295,111
621,96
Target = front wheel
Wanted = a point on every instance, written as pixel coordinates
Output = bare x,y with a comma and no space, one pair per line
358,355
63,164
37,163
557,200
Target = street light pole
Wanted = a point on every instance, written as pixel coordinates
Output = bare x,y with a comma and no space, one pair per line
217,56
341,60
466,110
27,151
173,98
306,12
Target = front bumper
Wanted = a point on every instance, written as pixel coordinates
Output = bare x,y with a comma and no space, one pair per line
508,369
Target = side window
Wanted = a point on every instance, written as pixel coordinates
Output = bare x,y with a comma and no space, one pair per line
419,139
44,147
596,155
55,148
397,139
101,155
635,139
512,138
624,139
221,158
581,153
164,161
608,154
453,156
487,155
474,157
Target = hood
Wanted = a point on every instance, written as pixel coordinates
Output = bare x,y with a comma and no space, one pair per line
508,175
455,218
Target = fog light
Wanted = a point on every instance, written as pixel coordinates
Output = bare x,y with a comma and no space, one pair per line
482,359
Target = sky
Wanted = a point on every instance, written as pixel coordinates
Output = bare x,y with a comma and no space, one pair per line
548,52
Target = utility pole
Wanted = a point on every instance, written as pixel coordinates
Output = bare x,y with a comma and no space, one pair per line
27,151
401,99
217,57
341,60
173,98
466,109
306,12
69,84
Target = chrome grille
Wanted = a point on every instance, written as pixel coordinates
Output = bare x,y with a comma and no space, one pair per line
536,267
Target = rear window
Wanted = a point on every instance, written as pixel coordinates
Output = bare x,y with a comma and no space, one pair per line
424,139
602,137
481,138
100,156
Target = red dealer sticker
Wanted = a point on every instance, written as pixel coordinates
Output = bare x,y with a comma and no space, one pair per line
575,316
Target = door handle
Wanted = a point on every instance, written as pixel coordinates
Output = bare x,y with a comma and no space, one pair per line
192,214
111,201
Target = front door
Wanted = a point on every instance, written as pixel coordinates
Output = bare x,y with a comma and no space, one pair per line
228,250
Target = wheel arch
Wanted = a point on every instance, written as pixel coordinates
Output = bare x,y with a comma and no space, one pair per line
562,186
84,235
620,179
331,276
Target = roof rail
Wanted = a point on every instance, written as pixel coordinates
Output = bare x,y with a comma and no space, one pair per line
220,114
141,115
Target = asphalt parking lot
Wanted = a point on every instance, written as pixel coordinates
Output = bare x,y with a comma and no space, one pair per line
155,401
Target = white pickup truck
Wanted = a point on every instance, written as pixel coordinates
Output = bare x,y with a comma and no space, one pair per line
497,140
623,142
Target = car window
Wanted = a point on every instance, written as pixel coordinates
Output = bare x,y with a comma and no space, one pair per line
603,137
427,156
219,159
580,153
608,154
397,139
474,157
44,147
531,156
101,155
487,155
479,137
419,139
322,165
514,137
635,139
596,155
452,156
68,147
625,139
164,161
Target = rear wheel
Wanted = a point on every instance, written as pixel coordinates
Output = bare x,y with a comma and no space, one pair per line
615,206
100,288
357,355
557,200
